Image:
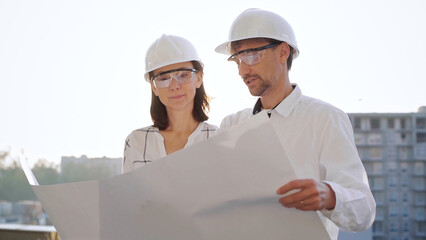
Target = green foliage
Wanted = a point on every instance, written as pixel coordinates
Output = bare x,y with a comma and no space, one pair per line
3,156
46,173
14,185
74,172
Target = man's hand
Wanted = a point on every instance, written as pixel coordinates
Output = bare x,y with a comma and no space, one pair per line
309,195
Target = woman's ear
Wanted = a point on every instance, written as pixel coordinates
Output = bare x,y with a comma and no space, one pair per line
199,79
154,89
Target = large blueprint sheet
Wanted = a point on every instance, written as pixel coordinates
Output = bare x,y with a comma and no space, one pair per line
222,188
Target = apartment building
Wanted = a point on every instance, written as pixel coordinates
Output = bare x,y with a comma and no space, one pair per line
392,147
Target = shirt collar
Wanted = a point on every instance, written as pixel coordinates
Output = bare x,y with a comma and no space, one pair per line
286,106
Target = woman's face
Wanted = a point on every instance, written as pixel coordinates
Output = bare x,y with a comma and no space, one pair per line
175,85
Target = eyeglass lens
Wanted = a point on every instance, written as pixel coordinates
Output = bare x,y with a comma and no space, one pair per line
181,76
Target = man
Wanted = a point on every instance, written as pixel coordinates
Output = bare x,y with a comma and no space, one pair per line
317,137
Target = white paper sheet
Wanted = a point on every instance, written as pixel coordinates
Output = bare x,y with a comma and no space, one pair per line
222,188
27,170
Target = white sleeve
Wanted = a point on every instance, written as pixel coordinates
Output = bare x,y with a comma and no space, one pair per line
355,205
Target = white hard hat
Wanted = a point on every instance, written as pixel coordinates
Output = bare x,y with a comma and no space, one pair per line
258,23
169,49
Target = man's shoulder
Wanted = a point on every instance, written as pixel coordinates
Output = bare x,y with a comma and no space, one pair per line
235,118
319,106
320,110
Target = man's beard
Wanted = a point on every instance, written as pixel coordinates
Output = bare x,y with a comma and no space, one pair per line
260,89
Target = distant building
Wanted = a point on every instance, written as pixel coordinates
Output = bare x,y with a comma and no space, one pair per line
21,212
113,164
392,147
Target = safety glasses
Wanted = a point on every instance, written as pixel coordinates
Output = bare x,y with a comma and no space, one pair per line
251,56
182,76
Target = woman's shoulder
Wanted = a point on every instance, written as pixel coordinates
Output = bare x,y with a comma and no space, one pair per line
205,126
143,131
206,130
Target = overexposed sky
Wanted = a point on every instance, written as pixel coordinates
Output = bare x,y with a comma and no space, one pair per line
71,72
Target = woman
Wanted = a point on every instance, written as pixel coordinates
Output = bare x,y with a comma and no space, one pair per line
179,104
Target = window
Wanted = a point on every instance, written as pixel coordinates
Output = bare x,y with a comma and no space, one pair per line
394,226
419,168
402,122
377,227
403,167
405,197
374,167
375,138
403,153
377,183
393,211
404,182
419,198
405,211
392,181
392,167
421,150
392,152
359,138
421,137
393,196
374,123
362,153
419,183
357,124
421,123
421,228
380,213
391,123
403,138
375,153
379,197
420,213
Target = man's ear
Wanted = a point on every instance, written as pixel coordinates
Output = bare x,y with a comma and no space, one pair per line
285,52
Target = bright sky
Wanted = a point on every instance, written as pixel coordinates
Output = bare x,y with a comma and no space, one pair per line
71,72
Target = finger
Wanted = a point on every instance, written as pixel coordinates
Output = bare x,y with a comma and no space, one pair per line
293,201
292,185
304,205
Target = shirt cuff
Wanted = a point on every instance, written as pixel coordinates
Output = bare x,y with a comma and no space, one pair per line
333,213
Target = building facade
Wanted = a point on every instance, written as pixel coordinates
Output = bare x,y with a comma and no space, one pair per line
392,147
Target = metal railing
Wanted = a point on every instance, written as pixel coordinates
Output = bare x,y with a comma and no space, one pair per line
27,232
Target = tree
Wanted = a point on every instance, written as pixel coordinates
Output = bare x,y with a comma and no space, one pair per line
74,172
3,156
14,185
46,173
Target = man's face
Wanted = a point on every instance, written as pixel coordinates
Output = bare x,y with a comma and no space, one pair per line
259,70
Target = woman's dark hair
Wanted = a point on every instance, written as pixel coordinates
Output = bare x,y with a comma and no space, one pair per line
201,104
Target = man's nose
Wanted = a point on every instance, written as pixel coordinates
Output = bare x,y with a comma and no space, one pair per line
243,68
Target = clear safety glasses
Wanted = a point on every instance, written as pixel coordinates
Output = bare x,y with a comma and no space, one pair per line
251,56
182,76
